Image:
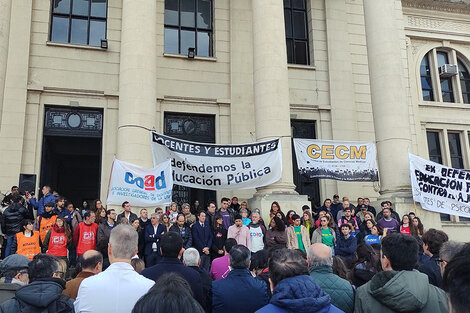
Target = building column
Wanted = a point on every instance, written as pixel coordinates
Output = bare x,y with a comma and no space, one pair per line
271,98
271,83
137,81
389,97
5,12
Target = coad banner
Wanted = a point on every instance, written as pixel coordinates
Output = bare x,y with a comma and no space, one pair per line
219,167
440,188
140,186
340,160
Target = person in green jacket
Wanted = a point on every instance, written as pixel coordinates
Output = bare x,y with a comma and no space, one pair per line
320,262
400,288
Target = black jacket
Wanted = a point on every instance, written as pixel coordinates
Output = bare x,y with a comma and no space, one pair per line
185,233
102,238
44,295
433,270
132,217
206,282
12,218
174,265
219,236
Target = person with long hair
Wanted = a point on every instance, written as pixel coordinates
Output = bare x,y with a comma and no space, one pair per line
308,223
276,234
320,215
135,223
407,227
419,226
58,239
288,220
331,220
100,214
275,207
375,236
165,220
219,236
325,233
366,266
172,212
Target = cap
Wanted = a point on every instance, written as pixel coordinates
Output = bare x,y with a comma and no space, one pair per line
364,206
14,262
49,204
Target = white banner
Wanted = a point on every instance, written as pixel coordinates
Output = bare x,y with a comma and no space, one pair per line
140,186
219,167
440,188
340,160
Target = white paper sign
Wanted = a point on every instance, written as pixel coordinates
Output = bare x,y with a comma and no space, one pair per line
140,186
219,167
340,160
440,188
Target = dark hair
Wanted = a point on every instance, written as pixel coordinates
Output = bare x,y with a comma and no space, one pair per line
387,209
285,263
279,223
237,217
340,269
351,228
211,202
295,216
199,212
420,225
171,293
42,266
368,257
59,199
278,206
87,214
91,261
234,198
456,280
124,203
434,239
229,244
224,199
401,250
259,260
328,199
25,223
305,207
171,244
108,212
214,221
239,257
383,203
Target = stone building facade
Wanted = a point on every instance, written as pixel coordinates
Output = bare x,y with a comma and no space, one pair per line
83,81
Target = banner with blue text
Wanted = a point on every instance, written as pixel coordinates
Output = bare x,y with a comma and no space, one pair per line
219,167
340,160
440,188
140,186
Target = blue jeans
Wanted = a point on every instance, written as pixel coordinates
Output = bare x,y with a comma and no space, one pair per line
9,244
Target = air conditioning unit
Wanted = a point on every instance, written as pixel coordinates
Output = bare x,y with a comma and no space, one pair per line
448,70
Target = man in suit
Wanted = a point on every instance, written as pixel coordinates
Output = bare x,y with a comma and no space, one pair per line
202,239
152,235
171,246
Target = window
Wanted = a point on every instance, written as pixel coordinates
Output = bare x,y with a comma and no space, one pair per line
434,147
448,86
296,24
446,82
435,155
464,82
80,22
455,150
426,79
188,24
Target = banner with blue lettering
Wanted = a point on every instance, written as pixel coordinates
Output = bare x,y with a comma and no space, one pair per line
439,188
219,167
140,186
340,160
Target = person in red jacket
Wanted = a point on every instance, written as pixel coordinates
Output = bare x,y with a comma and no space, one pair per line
84,236
58,239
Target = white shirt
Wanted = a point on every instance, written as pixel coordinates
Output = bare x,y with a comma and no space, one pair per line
122,287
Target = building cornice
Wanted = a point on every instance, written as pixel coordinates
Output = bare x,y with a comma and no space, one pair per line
452,6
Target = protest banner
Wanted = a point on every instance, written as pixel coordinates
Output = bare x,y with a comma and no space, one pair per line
440,188
140,186
340,160
219,167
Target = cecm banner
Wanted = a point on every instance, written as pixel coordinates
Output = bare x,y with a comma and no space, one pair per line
340,160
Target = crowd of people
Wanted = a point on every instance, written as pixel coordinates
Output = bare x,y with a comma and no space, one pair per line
340,257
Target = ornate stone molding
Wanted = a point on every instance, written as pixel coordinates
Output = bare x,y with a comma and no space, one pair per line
453,6
434,24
